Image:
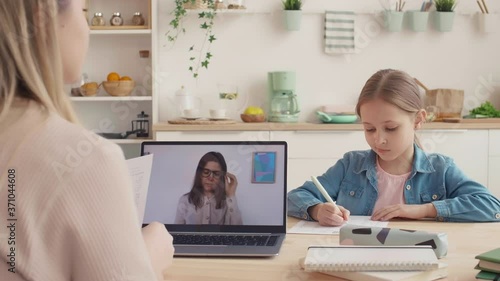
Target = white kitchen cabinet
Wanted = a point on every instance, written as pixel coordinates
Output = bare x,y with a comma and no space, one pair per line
313,152
468,148
494,143
494,162
320,144
301,169
494,175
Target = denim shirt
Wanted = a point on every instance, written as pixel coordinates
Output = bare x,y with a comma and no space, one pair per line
434,178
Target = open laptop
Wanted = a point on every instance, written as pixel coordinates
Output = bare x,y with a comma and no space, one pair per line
250,223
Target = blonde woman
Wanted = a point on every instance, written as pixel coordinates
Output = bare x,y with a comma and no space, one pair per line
67,211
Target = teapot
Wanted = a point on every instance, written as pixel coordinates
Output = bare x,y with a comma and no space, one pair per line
187,104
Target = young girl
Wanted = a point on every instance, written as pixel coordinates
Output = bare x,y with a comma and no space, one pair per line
396,178
64,192
212,198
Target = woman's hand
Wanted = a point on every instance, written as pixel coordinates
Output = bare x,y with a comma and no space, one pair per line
160,248
405,211
231,184
328,214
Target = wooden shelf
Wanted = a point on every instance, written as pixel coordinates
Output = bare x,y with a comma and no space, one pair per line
129,141
125,29
110,98
230,11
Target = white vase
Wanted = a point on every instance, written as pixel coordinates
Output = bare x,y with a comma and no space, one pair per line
293,19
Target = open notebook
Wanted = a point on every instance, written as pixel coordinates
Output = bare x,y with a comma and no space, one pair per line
188,194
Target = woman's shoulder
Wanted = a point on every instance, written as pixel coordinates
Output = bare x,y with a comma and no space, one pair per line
67,140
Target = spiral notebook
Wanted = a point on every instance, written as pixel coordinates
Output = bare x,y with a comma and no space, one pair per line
370,258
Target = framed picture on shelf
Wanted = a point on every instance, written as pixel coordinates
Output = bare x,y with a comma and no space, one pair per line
264,167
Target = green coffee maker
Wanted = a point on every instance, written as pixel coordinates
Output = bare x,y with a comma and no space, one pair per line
283,104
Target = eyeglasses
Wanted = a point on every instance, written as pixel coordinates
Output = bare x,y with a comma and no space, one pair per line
207,173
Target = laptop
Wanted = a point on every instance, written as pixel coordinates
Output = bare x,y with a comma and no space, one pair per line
216,209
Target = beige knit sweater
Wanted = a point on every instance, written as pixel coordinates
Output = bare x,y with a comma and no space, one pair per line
72,202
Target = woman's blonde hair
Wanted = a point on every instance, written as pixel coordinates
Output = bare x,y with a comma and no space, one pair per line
30,60
394,87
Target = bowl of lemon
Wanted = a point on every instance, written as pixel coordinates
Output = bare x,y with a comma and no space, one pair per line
253,114
117,85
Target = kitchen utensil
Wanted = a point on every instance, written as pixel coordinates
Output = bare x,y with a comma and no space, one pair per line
284,106
252,118
119,135
339,119
119,88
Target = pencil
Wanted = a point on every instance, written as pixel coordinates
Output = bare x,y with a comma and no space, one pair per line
480,7
322,190
485,7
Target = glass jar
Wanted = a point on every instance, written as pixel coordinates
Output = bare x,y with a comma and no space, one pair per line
116,19
138,19
98,20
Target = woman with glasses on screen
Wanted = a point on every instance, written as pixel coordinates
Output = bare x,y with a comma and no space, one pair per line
212,197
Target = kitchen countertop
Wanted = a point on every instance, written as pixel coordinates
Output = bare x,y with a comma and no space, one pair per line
270,126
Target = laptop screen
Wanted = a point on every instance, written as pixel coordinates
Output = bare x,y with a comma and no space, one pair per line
217,186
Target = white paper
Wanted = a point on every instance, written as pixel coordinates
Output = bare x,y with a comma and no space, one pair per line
140,172
313,227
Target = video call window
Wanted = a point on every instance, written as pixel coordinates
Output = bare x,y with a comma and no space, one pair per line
216,184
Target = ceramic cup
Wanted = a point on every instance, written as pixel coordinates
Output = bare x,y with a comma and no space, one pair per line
191,113
217,113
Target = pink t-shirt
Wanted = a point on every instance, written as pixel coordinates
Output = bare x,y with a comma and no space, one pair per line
390,188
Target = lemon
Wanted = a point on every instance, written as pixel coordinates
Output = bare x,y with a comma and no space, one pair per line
254,110
125,78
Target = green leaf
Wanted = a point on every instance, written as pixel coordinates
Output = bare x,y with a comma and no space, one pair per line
195,75
204,64
211,38
204,26
209,55
190,68
192,58
191,48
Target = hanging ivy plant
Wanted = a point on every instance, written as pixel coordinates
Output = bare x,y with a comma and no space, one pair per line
199,57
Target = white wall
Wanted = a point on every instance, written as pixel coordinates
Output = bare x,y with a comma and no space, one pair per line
250,45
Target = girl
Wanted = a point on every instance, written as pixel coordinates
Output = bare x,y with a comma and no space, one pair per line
395,178
212,199
64,190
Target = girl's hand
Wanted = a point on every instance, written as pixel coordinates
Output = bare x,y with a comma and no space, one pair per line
328,214
405,211
231,184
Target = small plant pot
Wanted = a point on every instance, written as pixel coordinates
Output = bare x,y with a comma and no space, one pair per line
393,21
443,21
292,19
417,20
487,22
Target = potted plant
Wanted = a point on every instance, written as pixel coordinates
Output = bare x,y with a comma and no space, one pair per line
444,15
292,14
199,56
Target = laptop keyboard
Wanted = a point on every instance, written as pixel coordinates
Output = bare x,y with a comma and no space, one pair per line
210,239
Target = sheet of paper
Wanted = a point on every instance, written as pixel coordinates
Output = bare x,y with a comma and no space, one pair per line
140,173
313,227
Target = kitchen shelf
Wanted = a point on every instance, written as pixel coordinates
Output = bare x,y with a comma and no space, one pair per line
305,12
129,141
120,31
229,11
110,98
